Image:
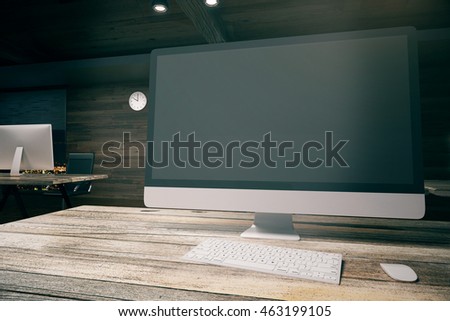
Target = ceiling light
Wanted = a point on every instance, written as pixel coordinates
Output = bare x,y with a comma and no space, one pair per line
211,3
160,6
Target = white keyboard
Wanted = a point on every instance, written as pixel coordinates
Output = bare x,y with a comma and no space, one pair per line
303,264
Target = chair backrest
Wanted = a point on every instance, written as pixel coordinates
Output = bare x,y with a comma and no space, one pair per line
80,163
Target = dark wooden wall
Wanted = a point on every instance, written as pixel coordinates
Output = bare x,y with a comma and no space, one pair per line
99,114
434,66
96,115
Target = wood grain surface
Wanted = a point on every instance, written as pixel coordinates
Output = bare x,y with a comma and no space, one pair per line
119,253
47,179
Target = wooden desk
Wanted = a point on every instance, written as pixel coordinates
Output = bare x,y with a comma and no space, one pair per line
10,184
438,187
108,253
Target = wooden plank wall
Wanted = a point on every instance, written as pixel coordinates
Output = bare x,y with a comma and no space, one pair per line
96,115
99,114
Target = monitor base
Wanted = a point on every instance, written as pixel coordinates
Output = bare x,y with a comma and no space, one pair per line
272,226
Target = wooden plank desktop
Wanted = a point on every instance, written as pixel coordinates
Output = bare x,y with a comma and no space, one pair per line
109,253
48,179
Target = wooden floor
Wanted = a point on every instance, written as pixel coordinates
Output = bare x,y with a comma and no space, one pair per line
118,253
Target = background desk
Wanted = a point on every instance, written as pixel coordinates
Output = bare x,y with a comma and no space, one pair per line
10,184
107,253
438,187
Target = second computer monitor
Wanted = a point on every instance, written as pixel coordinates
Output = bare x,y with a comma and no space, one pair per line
26,147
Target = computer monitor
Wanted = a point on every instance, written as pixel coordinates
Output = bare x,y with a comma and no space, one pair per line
322,124
26,147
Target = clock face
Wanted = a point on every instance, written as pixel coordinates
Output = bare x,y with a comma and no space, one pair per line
137,101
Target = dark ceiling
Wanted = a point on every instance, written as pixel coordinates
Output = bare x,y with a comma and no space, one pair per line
33,31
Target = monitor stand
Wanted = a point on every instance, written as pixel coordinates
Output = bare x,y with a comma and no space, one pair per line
17,160
272,226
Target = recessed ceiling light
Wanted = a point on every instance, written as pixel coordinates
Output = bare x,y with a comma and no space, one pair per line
211,3
160,6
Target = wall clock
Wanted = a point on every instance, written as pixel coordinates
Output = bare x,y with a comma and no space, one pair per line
137,101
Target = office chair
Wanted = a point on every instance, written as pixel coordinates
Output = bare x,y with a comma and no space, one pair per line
77,163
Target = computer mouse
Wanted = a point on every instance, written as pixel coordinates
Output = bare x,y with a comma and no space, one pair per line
399,272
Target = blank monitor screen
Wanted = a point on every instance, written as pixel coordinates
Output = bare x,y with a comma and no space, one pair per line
332,113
